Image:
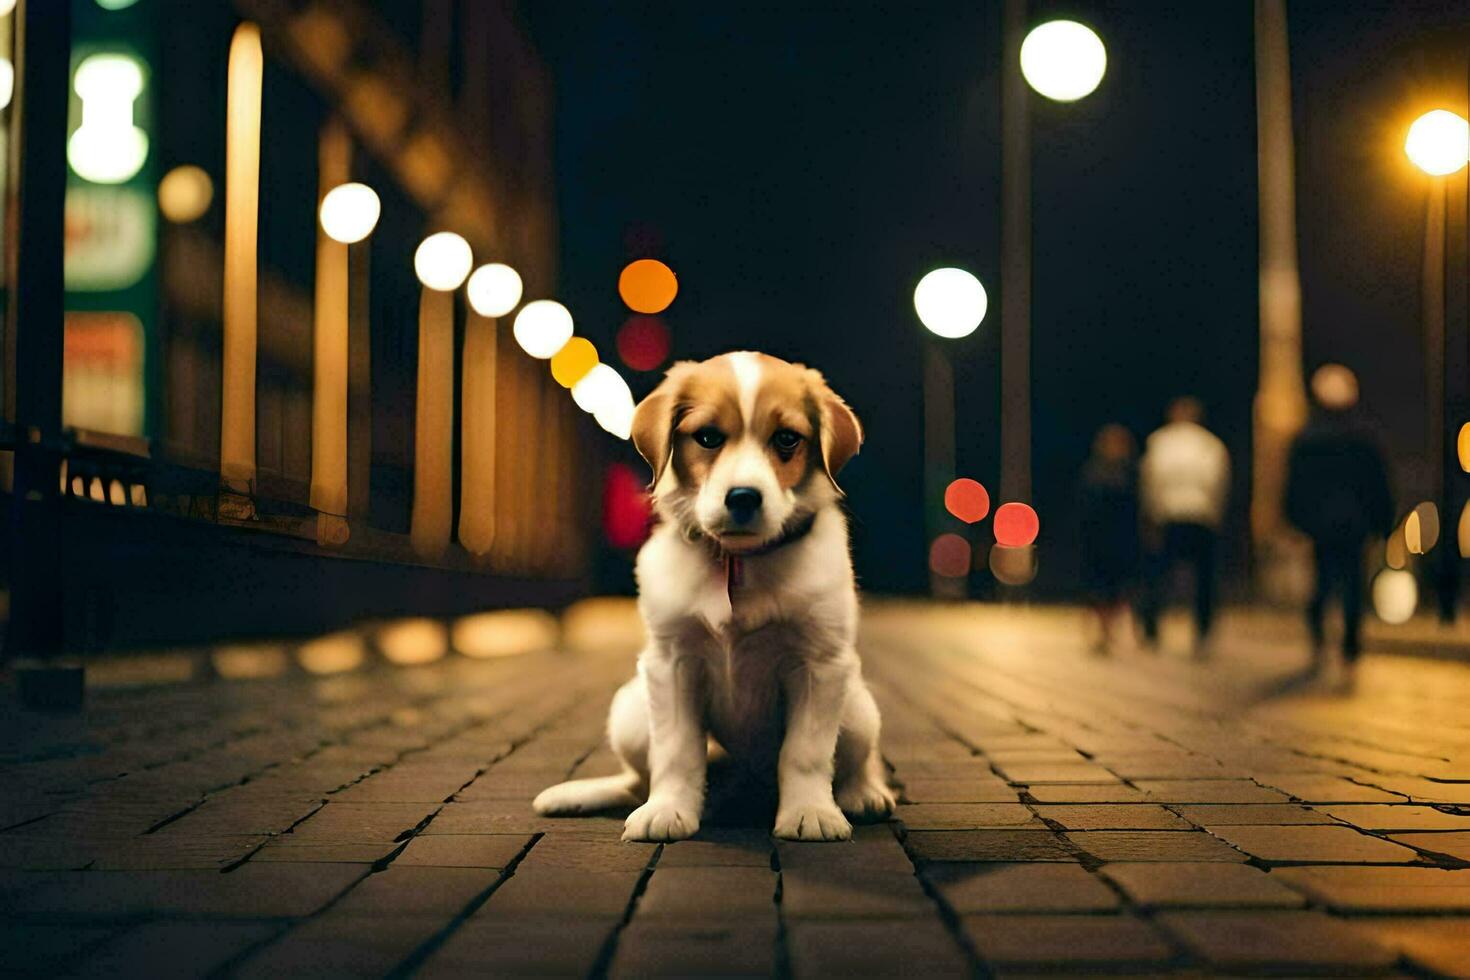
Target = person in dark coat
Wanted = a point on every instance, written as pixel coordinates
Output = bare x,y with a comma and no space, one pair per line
1108,506
1337,493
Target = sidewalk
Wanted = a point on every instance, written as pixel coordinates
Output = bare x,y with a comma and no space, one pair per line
1063,813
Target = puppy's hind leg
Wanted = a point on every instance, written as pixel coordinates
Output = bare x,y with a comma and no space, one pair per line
627,730
861,778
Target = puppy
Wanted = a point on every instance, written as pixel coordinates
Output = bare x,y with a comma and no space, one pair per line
747,593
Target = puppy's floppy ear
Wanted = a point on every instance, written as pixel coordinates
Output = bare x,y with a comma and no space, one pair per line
841,433
653,423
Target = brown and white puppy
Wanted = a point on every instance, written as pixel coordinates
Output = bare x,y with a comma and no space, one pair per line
747,593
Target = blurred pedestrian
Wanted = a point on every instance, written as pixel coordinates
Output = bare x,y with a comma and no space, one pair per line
1337,493
1184,480
1108,506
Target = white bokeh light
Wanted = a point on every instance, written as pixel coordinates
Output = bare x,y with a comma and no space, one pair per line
1063,60
597,389
543,327
1395,596
494,289
107,148
950,302
350,212
1438,142
442,261
614,412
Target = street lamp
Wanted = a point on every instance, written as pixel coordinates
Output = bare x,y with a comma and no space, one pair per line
1063,60
1438,143
950,303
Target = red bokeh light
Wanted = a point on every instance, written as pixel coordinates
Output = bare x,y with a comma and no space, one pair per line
949,556
643,342
1016,525
967,500
625,507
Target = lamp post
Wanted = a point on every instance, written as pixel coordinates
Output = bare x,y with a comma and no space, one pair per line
950,303
1438,143
493,291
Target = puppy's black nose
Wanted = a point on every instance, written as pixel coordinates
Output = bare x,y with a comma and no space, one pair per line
742,503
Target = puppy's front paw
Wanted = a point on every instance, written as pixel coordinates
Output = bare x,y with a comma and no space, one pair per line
864,800
659,820
819,821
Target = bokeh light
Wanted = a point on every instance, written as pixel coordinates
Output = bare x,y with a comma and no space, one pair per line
1395,549
648,286
1421,529
604,395
185,193
1438,142
413,641
949,556
1013,566
1395,596
950,302
504,633
1335,387
626,510
1016,525
107,148
349,213
442,261
543,327
1462,531
494,289
571,364
967,500
643,342
1063,60
332,654
1462,447
7,82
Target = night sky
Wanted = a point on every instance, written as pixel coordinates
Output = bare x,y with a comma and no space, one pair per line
801,167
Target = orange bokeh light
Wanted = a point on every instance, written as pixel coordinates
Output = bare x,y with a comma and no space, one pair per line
1016,525
648,286
949,556
967,500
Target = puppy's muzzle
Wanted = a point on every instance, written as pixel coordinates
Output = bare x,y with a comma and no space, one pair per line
743,503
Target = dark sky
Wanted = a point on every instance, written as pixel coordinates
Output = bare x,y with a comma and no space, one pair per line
800,167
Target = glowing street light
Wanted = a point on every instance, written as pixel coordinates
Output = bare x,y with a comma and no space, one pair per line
349,212
950,302
442,261
1063,60
107,148
494,289
543,327
1438,142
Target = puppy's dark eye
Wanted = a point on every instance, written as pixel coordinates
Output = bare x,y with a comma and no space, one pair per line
709,437
786,441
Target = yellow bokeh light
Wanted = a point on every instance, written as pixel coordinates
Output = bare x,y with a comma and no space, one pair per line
1421,529
1462,447
1335,387
349,212
1396,550
648,286
1063,60
504,633
1438,142
571,364
413,641
185,193
332,654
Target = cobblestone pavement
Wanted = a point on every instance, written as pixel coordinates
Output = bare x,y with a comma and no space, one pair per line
1062,813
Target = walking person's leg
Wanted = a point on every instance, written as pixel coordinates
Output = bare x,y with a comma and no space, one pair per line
1317,608
1201,545
1350,575
1150,600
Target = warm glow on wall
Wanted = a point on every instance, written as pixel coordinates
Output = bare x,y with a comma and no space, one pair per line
571,364
242,214
648,286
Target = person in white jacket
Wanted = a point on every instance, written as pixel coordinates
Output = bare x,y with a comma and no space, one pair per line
1184,481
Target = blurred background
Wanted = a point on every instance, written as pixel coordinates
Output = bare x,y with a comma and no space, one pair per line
251,405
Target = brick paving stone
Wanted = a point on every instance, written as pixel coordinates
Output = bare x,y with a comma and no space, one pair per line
175,853
252,891
1209,791
1087,793
174,949
873,847
708,893
555,851
1454,843
1033,773
899,949
849,893
991,790
1422,790
284,851
1112,816
1436,945
1040,887
508,817
506,785
1278,941
462,850
707,949
421,786
1372,816
1200,884
333,945
545,947
1314,844
1326,789
46,950
1381,889
562,892
363,822
967,768
1153,845
989,845
21,852
1239,814
1074,942
737,849
437,892
965,816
